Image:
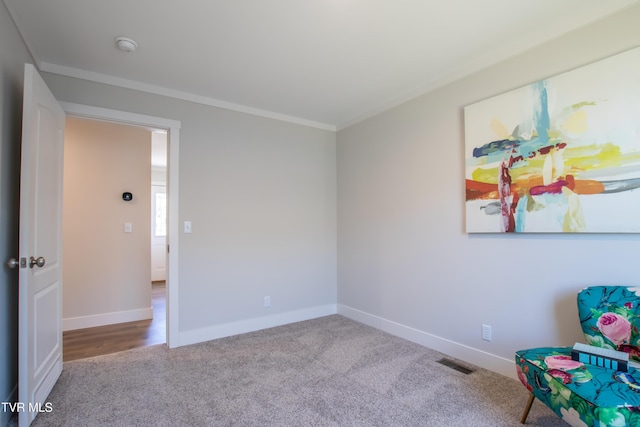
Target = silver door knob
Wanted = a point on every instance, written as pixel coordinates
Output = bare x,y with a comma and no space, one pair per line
39,262
13,263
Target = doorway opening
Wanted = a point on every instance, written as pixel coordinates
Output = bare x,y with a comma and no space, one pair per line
114,211
164,292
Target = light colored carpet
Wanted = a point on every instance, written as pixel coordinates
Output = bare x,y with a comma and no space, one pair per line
329,371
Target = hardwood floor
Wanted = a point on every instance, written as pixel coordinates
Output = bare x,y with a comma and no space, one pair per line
81,343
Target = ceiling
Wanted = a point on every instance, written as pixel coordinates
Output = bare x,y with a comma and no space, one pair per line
323,63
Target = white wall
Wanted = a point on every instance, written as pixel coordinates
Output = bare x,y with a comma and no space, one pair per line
14,55
261,195
106,272
405,263
158,158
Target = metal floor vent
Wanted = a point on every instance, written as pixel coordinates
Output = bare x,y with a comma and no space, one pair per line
454,365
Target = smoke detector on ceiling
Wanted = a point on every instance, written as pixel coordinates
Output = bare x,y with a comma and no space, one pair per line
126,44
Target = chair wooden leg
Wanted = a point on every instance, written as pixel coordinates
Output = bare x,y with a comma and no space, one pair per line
527,409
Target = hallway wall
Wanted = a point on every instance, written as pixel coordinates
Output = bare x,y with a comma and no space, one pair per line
106,273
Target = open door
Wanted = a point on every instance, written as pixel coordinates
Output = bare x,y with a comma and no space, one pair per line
40,258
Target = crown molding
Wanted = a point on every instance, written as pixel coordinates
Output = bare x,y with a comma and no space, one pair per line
171,93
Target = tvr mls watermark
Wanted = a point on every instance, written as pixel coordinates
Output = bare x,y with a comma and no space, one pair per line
27,407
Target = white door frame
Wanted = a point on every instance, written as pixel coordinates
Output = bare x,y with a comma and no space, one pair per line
173,142
158,244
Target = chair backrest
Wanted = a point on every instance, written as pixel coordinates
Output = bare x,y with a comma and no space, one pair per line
609,318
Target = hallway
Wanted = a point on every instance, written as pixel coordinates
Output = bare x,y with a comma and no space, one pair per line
89,342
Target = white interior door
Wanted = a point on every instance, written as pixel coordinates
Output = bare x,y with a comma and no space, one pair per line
158,233
40,277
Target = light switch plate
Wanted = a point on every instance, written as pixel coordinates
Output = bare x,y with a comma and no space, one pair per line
187,226
128,228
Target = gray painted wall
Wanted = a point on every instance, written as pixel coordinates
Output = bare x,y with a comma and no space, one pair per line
262,198
403,255
261,195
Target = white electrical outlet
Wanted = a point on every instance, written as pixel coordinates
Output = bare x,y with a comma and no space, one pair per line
486,332
267,301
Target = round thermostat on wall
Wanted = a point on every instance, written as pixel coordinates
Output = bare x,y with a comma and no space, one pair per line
127,197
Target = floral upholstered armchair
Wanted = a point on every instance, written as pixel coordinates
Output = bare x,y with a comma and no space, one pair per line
584,394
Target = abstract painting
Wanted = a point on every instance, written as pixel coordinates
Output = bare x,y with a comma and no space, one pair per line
561,155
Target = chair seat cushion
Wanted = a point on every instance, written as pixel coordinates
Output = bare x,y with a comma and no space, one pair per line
580,393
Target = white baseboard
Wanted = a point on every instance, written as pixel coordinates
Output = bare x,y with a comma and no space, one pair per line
463,352
5,416
253,324
92,321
